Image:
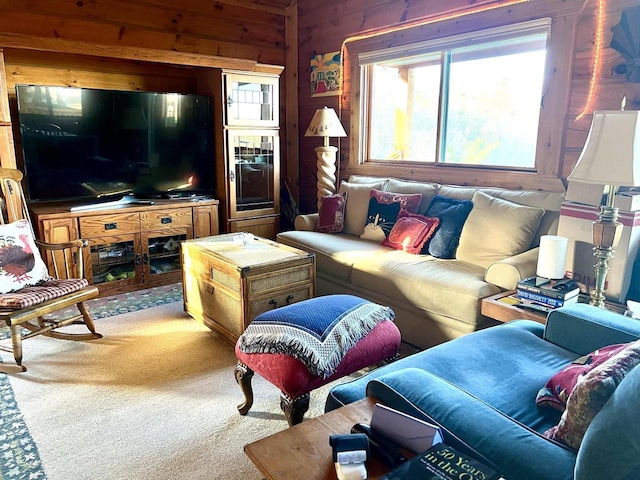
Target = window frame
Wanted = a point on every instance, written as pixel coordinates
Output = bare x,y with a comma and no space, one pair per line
551,130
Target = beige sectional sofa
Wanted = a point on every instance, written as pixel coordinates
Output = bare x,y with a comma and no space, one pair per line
435,299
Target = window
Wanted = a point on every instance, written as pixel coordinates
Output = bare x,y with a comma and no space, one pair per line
472,99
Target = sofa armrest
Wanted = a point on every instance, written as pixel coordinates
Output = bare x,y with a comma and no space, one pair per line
307,222
508,272
474,426
583,328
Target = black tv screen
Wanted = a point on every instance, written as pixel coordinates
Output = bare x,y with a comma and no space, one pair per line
81,143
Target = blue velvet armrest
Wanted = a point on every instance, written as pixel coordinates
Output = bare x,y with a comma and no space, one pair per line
584,328
470,423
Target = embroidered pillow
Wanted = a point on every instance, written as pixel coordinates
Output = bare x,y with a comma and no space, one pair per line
411,232
358,195
452,214
20,261
331,215
383,211
556,391
591,393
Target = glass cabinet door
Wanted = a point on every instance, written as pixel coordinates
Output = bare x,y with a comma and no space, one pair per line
252,100
111,262
253,172
164,253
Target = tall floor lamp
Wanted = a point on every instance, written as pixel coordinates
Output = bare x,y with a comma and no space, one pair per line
611,156
325,123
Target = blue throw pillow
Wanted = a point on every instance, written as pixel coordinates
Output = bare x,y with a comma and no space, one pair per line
452,214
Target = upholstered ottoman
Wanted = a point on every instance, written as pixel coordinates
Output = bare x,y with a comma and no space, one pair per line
305,345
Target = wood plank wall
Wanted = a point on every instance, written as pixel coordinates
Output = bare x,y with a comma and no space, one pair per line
157,45
323,26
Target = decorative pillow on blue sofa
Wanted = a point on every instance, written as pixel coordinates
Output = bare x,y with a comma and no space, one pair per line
556,391
591,393
452,214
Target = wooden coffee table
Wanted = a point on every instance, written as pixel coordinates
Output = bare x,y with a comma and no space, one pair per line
303,451
226,285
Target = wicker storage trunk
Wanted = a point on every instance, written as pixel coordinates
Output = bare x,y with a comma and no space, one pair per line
227,285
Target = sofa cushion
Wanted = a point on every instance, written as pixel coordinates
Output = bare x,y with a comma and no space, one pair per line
453,214
445,287
411,232
357,205
335,254
496,229
331,214
383,211
590,395
556,391
428,190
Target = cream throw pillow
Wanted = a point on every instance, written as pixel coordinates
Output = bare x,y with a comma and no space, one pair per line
357,205
496,229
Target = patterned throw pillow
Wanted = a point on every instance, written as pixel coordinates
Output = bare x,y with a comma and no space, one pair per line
384,208
556,391
20,261
331,215
590,394
452,214
411,232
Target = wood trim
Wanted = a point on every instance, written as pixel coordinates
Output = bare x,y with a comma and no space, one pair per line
292,126
127,53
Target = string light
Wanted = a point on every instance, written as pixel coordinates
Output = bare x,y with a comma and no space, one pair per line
597,59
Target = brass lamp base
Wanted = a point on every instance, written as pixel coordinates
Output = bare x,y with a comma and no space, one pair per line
606,236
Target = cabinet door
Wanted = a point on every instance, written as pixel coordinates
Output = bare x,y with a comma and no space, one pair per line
114,260
58,230
251,100
254,172
161,253
205,221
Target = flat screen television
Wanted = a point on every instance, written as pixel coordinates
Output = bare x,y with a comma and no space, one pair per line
82,143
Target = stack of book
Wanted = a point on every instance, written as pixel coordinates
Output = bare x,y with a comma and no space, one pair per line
550,293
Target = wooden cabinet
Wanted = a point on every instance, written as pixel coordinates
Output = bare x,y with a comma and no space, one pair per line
133,246
227,285
248,150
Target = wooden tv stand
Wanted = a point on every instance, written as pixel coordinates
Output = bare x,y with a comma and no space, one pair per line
131,246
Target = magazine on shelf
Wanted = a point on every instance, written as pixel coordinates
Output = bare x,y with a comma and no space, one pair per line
442,462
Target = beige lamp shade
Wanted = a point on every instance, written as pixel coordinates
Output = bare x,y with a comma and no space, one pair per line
611,155
325,123
552,256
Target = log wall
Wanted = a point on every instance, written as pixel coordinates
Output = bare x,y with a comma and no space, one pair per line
323,26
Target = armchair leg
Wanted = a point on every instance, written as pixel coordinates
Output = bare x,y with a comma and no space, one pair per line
16,345
87,319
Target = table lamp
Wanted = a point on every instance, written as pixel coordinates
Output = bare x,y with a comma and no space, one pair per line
611,156
325,123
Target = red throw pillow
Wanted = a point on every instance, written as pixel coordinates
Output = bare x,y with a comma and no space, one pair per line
557,390
411,232
331,214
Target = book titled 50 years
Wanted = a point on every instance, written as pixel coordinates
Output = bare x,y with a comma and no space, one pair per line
442,462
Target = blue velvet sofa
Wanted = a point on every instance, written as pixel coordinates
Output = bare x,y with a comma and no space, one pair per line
481,388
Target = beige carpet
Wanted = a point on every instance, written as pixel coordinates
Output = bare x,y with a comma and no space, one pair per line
154,399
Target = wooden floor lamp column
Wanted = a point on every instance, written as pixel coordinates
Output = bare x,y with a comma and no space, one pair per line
325,123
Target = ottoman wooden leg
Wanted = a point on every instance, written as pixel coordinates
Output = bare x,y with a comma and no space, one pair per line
294,409
243,376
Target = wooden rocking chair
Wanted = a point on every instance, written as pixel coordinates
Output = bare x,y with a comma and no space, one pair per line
24,309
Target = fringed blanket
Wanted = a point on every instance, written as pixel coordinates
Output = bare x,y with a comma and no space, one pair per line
319,332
